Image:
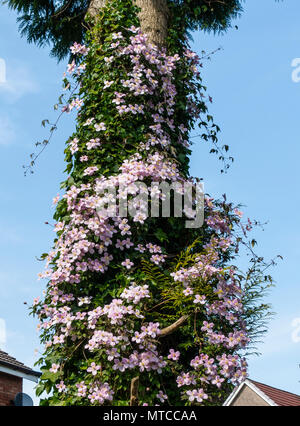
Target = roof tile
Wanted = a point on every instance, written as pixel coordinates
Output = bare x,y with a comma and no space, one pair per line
10,362
280,397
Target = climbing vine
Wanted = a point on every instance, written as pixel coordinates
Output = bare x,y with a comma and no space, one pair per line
141,310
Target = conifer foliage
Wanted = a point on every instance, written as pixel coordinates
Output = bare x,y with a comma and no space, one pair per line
60,23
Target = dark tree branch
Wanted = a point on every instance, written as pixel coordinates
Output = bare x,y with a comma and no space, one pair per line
62,9
173,327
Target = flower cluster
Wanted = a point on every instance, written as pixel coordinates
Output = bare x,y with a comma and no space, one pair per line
104,311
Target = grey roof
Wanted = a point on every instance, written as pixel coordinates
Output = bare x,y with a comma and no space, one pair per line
10,362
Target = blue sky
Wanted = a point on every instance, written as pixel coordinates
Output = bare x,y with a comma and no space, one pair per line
257,106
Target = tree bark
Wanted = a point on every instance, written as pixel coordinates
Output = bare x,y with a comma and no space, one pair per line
134,391
154,16
95,6
173,327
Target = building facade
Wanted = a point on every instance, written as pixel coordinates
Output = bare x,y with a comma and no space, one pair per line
255,394
12,374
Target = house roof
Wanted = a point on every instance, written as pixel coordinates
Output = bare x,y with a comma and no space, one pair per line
280,397
10,364
272,396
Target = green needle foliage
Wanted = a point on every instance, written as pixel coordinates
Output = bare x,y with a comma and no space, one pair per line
60,23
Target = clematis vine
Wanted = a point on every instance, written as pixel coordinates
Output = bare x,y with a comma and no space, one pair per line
140,299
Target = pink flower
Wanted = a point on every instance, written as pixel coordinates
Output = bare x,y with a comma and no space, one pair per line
134,29
59,226
182,128
185,379
161,396
127,263
188,291
200,299
89,121
82,388
84,301
217,381
54,368
93,143
90,171
207,326
109,59
61,387
71,67
196,394
93,368
56,199
174,355
100,127
79,49
238,213
157,258
74,145
140,248
117,36
107,84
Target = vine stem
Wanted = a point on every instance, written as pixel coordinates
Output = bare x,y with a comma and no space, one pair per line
46,141
173,327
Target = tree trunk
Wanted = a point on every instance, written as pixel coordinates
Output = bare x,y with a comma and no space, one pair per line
134,392
95,6
153,17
